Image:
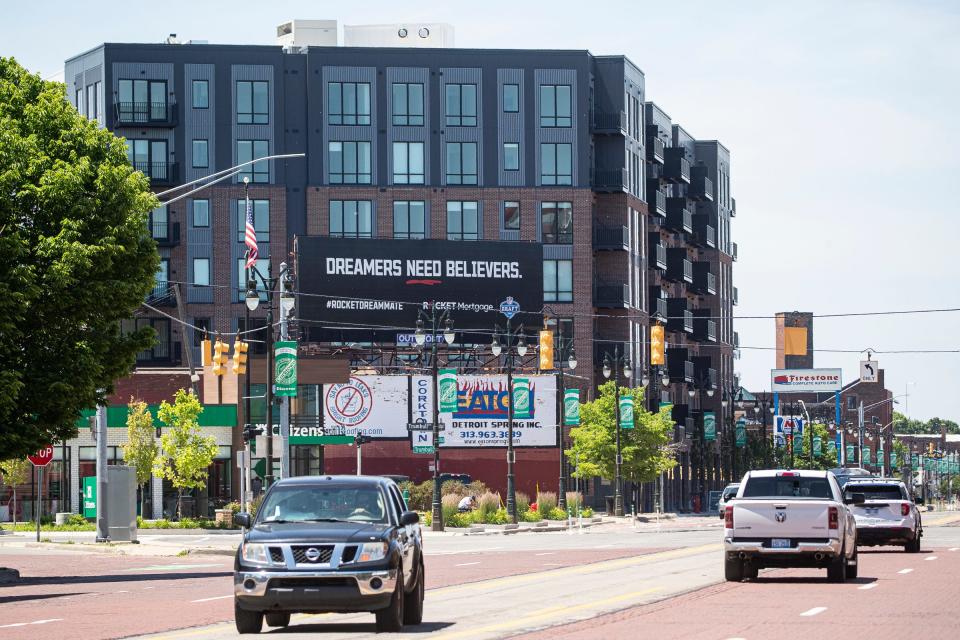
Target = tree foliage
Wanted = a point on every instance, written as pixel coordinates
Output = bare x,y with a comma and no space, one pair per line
15,472
644,448
75,259
827,458
935,426
186,454
140,449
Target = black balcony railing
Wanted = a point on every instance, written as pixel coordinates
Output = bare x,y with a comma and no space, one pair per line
703,280
701,187
733,207
679,369
676,167
734,252
166,233
679,317
658,308
609,122
611,238
146,114
613,296
655,149
679,215
158,172
658,252
162,294
704,330
679,268
609,179
735,297
704,234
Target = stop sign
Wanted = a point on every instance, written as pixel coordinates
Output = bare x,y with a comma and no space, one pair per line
42,457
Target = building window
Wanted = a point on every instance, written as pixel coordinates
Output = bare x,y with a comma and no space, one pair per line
555,105
350,163
408,163
351,219
201,271
149,157
253,104
563,328
558,280
851,403
511,156
79,101
203,327
511,216
201,213
556,222
409,220
261,266
91,102
511,98
98,88
248,150
200,158
348,102
461,105
201,94
261,220
556,163
463,221
141,100
461,163
407,104
160,223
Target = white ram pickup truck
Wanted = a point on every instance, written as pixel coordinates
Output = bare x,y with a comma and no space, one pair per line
789,519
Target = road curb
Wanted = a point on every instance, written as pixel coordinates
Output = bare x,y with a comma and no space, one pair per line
9,576
211,552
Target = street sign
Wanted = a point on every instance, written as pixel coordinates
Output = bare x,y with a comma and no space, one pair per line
90,497
424,449
424,426
868,370
509,307
43,457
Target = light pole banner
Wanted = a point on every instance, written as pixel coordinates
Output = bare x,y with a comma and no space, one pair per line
626,412
893,459
709,426
571,407
447,390
521,398
866,455
849,457
285,368
741,432
817,446
797,445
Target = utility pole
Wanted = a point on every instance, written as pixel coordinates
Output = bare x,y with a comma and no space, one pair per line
103,527
286,305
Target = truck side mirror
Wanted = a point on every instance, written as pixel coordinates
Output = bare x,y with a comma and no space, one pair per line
242,519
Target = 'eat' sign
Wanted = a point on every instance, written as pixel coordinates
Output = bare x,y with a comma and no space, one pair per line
42,457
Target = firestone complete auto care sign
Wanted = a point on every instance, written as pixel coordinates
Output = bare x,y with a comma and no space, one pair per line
792,380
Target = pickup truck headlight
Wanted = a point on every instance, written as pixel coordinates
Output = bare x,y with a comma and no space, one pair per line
371,552
254,553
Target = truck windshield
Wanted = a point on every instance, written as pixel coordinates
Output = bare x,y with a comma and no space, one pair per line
787,487
877,491
313,503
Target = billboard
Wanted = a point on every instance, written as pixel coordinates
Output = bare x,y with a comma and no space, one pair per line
816,380
377,283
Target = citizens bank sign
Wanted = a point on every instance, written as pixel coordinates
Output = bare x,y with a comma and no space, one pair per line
816,380
384,282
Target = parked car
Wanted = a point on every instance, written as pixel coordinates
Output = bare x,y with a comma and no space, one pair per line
790,519
845,474
329,544
887,516
728,492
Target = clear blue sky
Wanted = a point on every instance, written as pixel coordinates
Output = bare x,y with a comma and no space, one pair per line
841,118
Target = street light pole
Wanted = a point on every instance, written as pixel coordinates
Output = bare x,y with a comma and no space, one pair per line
614,368
561,390
521,348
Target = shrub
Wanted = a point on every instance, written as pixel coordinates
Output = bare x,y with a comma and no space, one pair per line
449,504
498,517
574,500
421,495
459,520
426,518
555,514
255,505
189,523
477,488
522,502
530,516
487,503
546,502
162,523
76,520
454,487
588,513
234,506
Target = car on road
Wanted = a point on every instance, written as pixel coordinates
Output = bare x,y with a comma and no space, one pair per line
785,518
323,544
887,516
846,474
728,492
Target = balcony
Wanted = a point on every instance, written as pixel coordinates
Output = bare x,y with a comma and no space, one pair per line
704,375
735,297
704,281
733,207
736,340
704,330
701,187
679,317
166,234
145,114
679,368
609,122
609,180
161,295
611,238
704,234
676,167
658,252
655,147
733,252
603,348
613,296
158,172
658,305
679,269
679,215
656,198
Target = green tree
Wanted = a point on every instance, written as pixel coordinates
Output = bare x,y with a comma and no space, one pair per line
140,450
935,426
15,472
644,448
186,454
827,458
75,260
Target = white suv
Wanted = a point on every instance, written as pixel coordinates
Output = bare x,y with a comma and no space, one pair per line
887,516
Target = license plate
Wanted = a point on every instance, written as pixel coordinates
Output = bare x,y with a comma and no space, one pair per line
780,543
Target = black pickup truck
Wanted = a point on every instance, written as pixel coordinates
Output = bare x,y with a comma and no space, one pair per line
324,544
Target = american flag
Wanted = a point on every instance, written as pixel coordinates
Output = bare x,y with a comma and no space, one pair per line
250,237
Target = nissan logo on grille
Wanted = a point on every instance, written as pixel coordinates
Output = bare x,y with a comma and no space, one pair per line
312,554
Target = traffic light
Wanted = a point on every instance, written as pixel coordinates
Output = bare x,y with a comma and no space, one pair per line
220,357
239,356
251,432
361,439
205,358
546,350
657,345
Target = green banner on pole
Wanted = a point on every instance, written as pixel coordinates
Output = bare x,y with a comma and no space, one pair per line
626,412
447,390
797,445
850,452
90,497
866,455
741,432
571,407
521,398
817,446
893,459
709,426
285,368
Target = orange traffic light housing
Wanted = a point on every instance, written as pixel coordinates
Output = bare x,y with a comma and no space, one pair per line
220,357
240,357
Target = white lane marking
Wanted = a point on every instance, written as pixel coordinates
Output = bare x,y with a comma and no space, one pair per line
466,564
867,586
954,548
552,564
546,553
23,624
905,571
930,558
121,592
603,546
148,587
461,551
214,598
813,612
